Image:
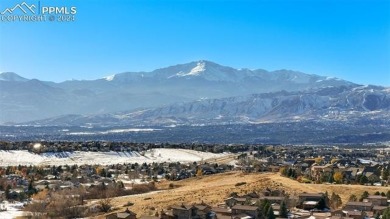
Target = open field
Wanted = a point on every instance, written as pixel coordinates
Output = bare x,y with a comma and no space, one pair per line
214,189
23,157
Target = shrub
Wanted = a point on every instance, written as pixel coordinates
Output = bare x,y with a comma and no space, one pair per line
240,183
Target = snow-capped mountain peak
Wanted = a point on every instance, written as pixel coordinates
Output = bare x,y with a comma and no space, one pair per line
134,90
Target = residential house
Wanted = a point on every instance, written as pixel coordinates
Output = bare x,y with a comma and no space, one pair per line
378,209
246,210
221,211
318,171
273,199
198,211
309,201
122,215
359,206
235,201
377,200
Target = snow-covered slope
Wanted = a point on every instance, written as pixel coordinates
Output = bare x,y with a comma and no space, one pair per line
20,157
332,103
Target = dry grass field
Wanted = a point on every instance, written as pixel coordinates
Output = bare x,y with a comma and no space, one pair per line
214,189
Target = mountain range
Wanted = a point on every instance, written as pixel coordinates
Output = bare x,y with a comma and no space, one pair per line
200,92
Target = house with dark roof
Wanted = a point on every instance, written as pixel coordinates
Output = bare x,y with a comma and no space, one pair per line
196,211
122,215
246,210
309,201
231,201
273,199
358,206
377,200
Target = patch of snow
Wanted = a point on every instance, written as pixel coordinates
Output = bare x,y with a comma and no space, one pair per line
219,117
128,130
199,68
294,78
333,78
109,78
13,210
81,133
113,131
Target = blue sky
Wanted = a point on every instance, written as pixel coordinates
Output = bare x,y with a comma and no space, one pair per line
345,39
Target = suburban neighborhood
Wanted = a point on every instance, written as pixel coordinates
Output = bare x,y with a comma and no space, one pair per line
89,189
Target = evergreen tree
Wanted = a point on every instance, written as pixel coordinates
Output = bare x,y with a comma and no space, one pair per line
363,180
31,190
270,213
264,206
386,214
385,174
7,192
289,172
321,204
364,196
326,198
283,210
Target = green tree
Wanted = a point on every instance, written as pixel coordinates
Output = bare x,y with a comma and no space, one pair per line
364,195
31,189
385,174
264,207
7,191
264,204
363,180
290,172
386,214
283,210
321,204
270,213
326,198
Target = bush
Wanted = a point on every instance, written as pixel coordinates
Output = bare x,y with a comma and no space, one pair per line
128,204
240,183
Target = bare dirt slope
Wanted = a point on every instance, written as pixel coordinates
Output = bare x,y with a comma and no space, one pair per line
214,189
